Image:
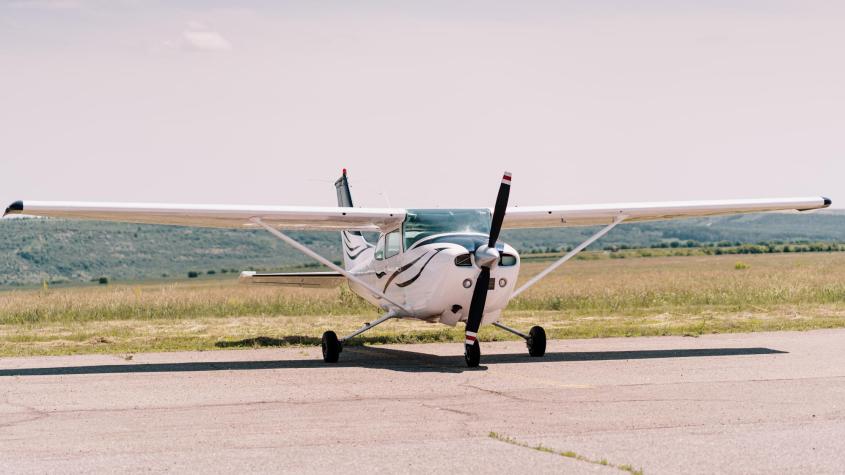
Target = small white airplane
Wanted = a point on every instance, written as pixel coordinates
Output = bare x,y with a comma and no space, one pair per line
437,265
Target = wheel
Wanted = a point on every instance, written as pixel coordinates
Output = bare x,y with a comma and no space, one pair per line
472,354
536,341
331,347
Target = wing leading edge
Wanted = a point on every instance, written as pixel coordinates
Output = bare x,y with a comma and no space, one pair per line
601,214
218,216
376,219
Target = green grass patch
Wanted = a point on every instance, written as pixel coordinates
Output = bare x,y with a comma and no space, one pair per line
568,453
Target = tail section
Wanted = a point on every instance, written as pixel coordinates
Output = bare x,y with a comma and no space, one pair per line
354,245
344,197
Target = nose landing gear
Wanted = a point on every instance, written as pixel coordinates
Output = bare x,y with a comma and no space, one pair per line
472,354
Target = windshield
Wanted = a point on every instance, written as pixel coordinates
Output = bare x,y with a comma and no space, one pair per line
422,223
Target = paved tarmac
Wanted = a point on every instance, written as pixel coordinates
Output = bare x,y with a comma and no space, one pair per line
744,403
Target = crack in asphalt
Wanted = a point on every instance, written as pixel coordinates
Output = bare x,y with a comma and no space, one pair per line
448,409
36,414
497,393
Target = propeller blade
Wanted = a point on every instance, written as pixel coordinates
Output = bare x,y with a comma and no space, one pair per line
476,306
499,210
487,257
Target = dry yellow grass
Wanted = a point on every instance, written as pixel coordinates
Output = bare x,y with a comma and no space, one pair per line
586,298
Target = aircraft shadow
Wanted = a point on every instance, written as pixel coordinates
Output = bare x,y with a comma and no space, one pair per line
385,358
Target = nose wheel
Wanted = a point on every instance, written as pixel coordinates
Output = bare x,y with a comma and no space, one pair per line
472,354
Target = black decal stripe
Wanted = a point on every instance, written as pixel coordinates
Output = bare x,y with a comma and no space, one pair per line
401,270
414,278
355,256
380,274
347,241
350,248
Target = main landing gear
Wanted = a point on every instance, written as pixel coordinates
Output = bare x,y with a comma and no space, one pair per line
333,346
535,340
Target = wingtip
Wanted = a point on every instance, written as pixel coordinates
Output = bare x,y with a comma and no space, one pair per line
15,207
827,201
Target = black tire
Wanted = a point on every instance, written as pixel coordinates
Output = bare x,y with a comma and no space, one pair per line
536,341
472,354
331,347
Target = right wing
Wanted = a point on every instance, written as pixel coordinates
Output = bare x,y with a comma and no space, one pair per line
218,216
294,279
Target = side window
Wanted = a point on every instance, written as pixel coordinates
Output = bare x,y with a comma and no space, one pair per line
393,244
380,248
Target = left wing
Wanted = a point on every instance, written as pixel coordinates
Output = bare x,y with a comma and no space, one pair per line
590,215
218,216
294,279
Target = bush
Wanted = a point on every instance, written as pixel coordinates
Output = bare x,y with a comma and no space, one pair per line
193,275
103,280
211,272
740,266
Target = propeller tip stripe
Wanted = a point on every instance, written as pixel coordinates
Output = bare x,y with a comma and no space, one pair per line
507,178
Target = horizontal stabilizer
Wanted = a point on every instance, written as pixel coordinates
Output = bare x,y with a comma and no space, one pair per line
294,279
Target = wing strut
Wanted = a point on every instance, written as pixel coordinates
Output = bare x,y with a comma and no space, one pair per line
331,265
569,255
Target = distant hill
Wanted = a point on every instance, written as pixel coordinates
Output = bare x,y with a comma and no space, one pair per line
36,250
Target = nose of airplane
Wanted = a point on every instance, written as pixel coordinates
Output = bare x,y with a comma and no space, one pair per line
486,256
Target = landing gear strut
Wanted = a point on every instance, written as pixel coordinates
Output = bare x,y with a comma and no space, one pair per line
535,339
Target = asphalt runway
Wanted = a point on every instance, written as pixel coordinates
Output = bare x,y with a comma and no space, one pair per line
744,403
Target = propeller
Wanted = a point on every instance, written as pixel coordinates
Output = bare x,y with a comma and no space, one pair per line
486,257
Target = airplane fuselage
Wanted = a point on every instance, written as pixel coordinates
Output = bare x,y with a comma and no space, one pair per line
432,273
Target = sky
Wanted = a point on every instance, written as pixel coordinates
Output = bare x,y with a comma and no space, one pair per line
426,103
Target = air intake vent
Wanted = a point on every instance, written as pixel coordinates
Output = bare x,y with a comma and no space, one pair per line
464,260
507,260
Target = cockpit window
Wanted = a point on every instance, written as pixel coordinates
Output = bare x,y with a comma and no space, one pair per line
423,223
380,248
393,244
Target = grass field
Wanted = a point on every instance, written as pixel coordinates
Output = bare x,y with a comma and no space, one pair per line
586,298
